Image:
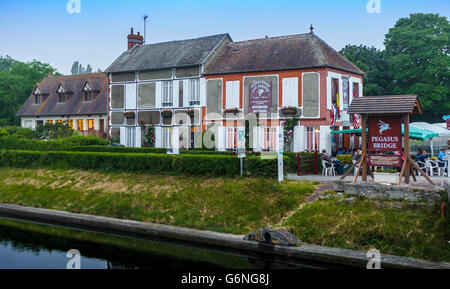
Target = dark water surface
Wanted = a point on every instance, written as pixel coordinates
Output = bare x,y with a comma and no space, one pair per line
27,245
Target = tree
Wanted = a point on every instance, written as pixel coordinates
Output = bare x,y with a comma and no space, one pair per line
374,63
17,80
418,61
78,68
75,68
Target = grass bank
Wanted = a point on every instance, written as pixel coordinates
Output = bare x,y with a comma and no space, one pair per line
234,205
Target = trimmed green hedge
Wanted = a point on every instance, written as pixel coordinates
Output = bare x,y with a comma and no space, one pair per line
69,144
204,165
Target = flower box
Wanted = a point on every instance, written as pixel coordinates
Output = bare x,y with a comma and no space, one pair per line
190,112
232,110
289,111
166,113
130,114
386,178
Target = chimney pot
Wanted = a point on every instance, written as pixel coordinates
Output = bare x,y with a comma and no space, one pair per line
134,40
132,31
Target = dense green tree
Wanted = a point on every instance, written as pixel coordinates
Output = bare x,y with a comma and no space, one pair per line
17,80
419,62
374,63
78,68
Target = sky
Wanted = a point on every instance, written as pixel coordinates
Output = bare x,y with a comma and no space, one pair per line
46,31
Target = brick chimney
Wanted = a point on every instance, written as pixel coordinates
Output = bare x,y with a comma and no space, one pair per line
134,40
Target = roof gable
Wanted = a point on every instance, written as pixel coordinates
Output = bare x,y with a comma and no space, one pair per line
385,104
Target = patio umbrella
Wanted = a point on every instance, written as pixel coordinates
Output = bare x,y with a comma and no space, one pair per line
414,133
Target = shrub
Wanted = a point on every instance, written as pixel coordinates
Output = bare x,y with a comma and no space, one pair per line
346,159
18,131
203,165
53,131
69,144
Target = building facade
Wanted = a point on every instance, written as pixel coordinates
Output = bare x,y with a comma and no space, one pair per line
78,100
212,84
161,85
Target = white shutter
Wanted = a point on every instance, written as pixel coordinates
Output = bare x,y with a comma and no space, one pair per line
158,94
298,138
329,93
202,91
236,93
176,93
284,98
221,138
302,139
158,137
257,138
325,138
229,94
290,91
130,98
138,137
294,91
123,136
186,92
176,138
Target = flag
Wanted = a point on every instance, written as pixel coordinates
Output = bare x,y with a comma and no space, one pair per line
337,105
333,115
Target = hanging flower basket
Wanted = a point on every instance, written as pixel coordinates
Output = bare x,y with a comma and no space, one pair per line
232,110
166,113
289,110
190,112
130,114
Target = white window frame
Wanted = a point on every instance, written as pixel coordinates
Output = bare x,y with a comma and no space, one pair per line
131,137
315,130
194,92
167,93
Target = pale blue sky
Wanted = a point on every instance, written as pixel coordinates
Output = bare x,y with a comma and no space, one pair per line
44,30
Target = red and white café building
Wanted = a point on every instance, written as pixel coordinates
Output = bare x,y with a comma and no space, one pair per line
265,77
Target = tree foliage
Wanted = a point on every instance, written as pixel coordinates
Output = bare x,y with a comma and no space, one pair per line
17,80
78,68
416,61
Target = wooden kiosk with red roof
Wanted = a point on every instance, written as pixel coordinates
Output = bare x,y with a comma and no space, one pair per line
382,146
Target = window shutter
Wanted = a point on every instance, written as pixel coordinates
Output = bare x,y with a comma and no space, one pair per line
131,96
221,138
298,138
257,139
302,139
229,94
138,137
285,94
236,93
325,138
176,93
158,93
123,136
186,93
328,92
175,138
294,91
202,91
158,137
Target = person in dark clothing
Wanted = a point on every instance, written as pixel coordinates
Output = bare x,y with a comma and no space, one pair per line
337,163
421,157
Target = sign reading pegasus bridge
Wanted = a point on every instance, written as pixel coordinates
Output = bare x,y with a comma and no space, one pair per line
383,145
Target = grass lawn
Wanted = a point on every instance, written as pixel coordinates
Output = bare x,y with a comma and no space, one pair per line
233,205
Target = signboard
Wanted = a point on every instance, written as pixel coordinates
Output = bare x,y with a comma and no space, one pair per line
280,154
345,92
241,143
385,133
448,123
394,161
260,96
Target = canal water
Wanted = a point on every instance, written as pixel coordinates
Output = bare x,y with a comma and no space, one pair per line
29,245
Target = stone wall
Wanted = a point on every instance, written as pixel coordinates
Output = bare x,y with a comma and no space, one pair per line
386,192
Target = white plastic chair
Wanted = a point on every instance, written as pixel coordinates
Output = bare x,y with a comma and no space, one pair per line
328,168
432,165
442,169
422,166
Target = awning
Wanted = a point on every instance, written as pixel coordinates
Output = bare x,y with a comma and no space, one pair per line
430,127
446,117
417,134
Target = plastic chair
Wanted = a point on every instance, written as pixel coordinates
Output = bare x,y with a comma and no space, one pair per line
432,165
423,166
328,168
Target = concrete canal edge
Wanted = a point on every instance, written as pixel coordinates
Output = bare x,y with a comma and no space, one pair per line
305,252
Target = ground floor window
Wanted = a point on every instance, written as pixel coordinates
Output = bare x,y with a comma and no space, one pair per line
231,138
80,124
50,121
167,137
60,121
70,123
91,124
312,138
28,124
269,139
39,123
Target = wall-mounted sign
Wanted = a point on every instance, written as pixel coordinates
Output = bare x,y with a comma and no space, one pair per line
260,96
448,123
385,133
345,92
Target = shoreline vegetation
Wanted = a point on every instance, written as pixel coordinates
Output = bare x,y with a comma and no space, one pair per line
233,205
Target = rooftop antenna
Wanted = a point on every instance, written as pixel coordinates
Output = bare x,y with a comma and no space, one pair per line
145,28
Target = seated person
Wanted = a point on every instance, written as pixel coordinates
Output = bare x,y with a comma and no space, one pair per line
337,163
422,157
442,158
340,152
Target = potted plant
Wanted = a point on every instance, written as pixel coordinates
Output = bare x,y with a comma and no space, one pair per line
289,110
190,112
130,114
390,176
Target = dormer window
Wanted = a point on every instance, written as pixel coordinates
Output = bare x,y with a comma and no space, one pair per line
37,96
87,93
61,94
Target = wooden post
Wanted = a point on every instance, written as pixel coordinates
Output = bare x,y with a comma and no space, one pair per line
406,151
364,147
